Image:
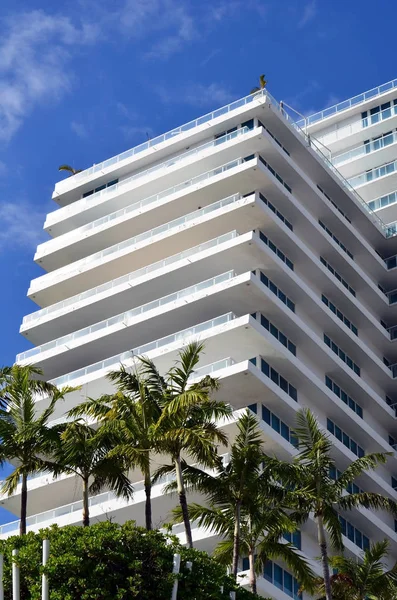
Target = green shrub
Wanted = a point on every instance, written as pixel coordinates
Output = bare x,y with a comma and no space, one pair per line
107,561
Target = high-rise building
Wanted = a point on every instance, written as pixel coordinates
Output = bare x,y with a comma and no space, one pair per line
271,241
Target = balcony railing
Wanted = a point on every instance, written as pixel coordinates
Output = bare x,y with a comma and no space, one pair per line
113,361
373,174
170,134
100,289
355,101
365,149
91,199
97,257
126,317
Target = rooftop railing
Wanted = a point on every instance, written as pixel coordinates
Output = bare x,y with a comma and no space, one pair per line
100,289
219,112
89,200
113,361
125,317
346,104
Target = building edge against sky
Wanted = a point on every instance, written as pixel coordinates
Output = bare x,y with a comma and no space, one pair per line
271,241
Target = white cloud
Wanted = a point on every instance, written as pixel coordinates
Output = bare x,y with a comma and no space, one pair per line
197,94
22,226
79,129
309,12
35,49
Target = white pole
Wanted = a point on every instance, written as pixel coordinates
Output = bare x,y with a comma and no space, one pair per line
44,578
189,565
175,571
232,595
1,577
15,578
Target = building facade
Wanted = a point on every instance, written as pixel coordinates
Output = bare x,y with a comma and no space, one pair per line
271,241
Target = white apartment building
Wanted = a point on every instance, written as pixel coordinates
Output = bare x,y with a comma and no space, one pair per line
238,230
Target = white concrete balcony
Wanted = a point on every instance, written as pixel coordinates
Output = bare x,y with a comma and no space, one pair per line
176,140
162,178
230,251
156,244
363,157
377,182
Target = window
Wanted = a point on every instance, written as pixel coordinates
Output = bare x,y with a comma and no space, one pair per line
335,205
351,488
278,379
337,390
275,174
276,250
342,355
276,291
294,538
281,579
339,314
275,423
276,212
278,334
394,483
273,136
378,113
342,246
383,201
100,188
345,439
338,277
354,535
391,262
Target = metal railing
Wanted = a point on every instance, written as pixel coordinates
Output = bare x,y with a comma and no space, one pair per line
100,289
125,317
113,361
373,174
85,202
219,112
354,101
75,267
365,149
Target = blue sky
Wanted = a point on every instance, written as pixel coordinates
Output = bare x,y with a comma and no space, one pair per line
80,82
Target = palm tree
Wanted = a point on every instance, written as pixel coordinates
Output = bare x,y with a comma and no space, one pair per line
317,493
366,580
187,424
129,416
262,85
83,450
246,505
24,432
69,169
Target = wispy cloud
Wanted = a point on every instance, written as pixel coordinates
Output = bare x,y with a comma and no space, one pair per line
35,49
79,129
309,12
197,94
22,226
210,56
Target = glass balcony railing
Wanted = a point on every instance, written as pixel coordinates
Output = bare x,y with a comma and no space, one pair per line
378,144
100,289
216,366
373,174
51,516
113,361
355,101
359,124
83,203
126,317
75,268
170,134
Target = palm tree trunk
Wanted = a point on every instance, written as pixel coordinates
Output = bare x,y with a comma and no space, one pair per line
148,503
86,510
24,505
183,501
252,570
324,557
236,540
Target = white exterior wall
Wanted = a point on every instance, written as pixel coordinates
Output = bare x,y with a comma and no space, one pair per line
100,294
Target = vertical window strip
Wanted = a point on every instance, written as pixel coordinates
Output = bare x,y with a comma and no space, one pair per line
336,240
276,250
276,212
342,355
339,314
337,276
277,292
279,335
338,391
345,439
274,422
